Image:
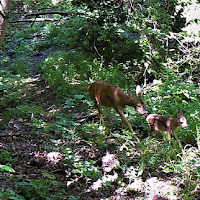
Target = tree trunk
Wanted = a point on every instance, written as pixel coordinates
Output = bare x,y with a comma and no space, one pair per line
4,11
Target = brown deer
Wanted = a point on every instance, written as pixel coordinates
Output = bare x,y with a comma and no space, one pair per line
163,123
113,96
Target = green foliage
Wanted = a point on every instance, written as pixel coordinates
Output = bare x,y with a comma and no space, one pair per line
5,157
27,5
86,168
25,111
64,67
72,198
123,43
6,168
74,65
31,189
10,194
79,166
7,82
153,154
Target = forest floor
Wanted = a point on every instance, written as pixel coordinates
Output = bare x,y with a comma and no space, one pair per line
33,162
35,154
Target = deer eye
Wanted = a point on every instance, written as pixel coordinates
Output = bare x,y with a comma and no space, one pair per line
138,106
181,122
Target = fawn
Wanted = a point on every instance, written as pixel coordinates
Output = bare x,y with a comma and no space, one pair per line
113,96
163,123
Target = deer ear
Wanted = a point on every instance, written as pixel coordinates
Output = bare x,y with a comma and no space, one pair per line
180,112
138,91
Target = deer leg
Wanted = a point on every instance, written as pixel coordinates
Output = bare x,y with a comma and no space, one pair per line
97,105
150,132
178,140
100,112
124,120
151,127
169,132
126,123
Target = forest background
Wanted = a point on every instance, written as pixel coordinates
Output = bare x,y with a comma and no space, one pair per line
52,145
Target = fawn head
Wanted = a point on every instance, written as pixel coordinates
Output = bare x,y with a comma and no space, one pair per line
182,122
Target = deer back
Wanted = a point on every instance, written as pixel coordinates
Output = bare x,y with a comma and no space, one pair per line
113,96
108,95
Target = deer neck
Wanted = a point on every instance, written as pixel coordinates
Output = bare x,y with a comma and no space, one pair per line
130,101
174,124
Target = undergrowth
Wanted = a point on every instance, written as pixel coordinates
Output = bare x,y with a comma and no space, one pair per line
46,109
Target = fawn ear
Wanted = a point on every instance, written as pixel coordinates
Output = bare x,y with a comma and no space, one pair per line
180,112
138,91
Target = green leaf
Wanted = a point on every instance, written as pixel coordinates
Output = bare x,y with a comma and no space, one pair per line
6,168
198,169
72,198
76,171
116,135
179,166
168,170
126,137
49,176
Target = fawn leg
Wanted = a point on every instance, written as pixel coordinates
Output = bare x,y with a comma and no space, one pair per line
178,140
150,132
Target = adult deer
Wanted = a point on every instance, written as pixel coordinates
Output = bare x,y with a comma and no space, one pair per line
113,96
163,123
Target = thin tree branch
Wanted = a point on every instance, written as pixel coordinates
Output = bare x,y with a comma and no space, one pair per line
46,13
102,61
35,20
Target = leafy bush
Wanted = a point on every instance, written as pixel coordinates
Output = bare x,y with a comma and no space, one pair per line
6,158
64,67
10,194
153,154
33,189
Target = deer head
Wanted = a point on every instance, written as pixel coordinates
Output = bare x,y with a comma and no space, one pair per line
181,119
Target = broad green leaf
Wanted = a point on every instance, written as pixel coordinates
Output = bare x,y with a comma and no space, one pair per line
72,198
6,168
168,170
49,176
179,167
